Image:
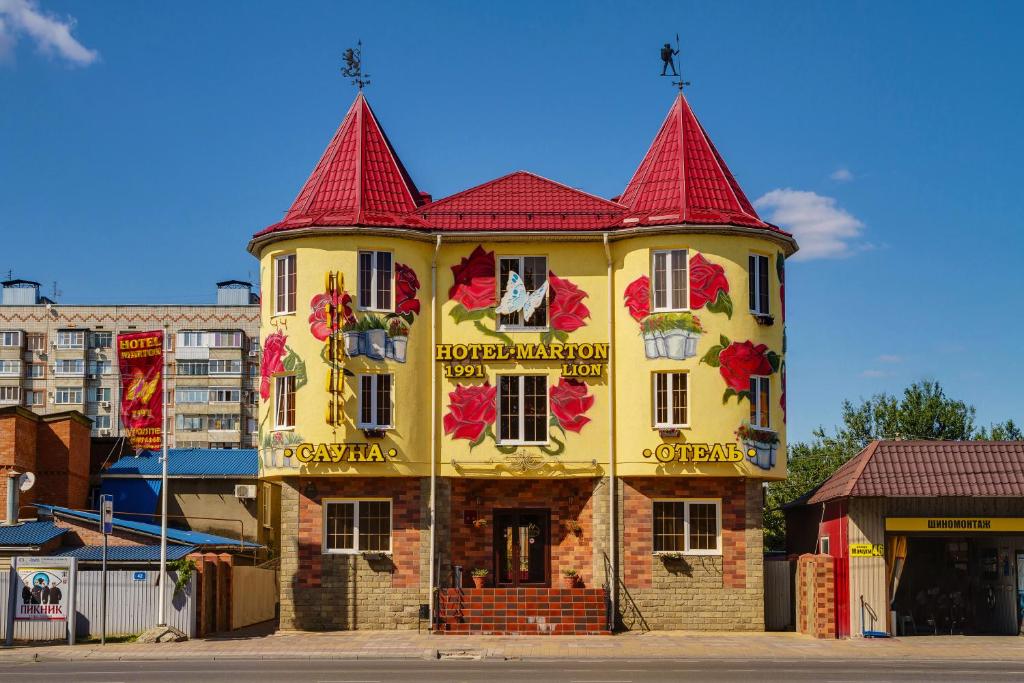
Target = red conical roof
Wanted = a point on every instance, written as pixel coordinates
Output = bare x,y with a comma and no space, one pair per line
359,180
683,179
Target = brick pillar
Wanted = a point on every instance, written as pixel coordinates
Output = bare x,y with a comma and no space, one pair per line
209,604
815,588
289,549
224,562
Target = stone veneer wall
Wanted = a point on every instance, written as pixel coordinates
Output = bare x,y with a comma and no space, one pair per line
721,592
341,592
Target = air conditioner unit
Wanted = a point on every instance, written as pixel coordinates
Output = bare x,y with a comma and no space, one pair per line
54,343
253,353
245,491
104,432
104,404
93,375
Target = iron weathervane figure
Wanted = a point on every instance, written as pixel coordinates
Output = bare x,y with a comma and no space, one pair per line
353,68
668,55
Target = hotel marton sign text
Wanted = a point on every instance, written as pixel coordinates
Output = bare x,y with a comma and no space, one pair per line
465,360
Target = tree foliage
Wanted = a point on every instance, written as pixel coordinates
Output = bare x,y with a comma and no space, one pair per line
922,412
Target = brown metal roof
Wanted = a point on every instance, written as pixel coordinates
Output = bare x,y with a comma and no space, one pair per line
921,469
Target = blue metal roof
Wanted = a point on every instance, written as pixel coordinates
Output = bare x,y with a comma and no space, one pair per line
173,535
190,462
30,533
127,553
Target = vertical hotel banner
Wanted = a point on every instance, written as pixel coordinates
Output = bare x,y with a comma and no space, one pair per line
140,356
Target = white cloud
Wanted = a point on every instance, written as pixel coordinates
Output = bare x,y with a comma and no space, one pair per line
874,374
842,175
51,34
823,229
890,358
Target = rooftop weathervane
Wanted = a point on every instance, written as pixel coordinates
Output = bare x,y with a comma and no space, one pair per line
668,61
353,68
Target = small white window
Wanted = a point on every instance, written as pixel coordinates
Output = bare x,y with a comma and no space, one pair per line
68,396
101,340
523,409
375,401
757,278
100,421
284,401
97,394
823,546
376,278
69,367
190,423
686,526
225,395
226,340
10,338
35,371
671,407
99,367
284,282
70,339
523,292
760,391
223,422
192,395
225,367
353,526
669,281
34,397
35,341
9,395
10,368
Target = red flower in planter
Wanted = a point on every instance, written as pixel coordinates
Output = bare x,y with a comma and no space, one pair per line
566,306
740,360
272,361
474,286
706,281
318,325
470,410
569,400
638,298
406,286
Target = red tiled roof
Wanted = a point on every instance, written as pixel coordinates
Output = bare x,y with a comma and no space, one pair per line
925,469
359,180
683,179
520,201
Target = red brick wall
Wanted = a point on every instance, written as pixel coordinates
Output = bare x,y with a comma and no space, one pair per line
62,460
88,533
17,453
472,547
815,587
638,533
404,493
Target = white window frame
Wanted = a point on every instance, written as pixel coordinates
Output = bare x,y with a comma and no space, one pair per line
234,339
109,336
223,417
280,382
669,393
11,338
34,392
98,420
374,380
354,502
192,339
524,327
30,375
229,400
284,291
670,305
686,525
39,338
15,365
180,419
99,394
181,364
99,367
71,392
268,506
13,399
66,339
374,304
58,372
755,263
522,411
824,546
228,361
757,410
178,390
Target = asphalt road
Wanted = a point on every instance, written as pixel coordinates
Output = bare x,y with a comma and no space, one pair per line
493,671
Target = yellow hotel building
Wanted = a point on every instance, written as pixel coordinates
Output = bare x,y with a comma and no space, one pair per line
522,408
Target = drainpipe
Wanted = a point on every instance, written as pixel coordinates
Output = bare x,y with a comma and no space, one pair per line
12,498
613,549
433,429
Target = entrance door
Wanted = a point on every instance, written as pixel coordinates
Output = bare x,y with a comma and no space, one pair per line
522,551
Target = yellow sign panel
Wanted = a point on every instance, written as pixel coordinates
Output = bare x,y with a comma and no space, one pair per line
340,452
696,452
955,524
520,352
867,550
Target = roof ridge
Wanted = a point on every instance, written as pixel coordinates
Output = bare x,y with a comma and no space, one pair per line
868,453
429,208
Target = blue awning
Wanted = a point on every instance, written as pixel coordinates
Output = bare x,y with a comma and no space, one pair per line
133,495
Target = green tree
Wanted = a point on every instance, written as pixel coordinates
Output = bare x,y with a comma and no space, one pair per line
923,412
1001,431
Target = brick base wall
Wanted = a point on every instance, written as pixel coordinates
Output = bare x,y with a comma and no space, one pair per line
523,611
340,592
697,592
815,596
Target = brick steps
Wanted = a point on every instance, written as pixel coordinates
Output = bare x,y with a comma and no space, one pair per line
523,611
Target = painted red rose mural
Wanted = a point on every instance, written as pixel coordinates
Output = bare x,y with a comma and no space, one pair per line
471,412
279,358
737,362
709,286
569,401
319,326
475,293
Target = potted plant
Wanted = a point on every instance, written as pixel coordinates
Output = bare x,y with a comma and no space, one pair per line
569,577
352,334
376,336
480,577
398,330
480,522
573,526
671,335
654,336
762,441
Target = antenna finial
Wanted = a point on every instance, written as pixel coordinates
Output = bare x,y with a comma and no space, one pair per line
353,68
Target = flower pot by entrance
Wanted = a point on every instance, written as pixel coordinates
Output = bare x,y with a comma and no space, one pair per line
479,581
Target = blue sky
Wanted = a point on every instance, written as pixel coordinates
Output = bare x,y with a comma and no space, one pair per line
886,135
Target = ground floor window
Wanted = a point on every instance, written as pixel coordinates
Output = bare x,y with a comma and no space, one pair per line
522,409
353,526
688,526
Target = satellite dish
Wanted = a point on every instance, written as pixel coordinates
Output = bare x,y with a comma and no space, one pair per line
26,481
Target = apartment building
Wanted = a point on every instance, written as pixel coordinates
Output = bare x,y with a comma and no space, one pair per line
56,357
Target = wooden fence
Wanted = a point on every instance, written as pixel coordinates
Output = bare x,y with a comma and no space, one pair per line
131,606
778,595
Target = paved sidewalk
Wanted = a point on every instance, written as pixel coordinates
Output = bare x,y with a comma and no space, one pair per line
655,645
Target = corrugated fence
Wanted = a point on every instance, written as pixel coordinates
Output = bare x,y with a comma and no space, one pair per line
778,595
131,606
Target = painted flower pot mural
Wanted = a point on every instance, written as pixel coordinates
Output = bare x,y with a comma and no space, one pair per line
398,331
760,445
674,335
376,337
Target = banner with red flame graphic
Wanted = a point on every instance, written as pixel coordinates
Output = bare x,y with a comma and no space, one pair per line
140,355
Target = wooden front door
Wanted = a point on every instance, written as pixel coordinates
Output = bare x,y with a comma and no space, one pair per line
522,548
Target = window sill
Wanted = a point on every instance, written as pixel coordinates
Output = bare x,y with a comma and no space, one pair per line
283,429
523,443
378,553
525,330
680,554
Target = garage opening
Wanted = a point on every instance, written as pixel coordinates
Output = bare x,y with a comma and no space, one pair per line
958,585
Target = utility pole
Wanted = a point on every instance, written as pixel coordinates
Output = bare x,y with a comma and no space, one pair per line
161,618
